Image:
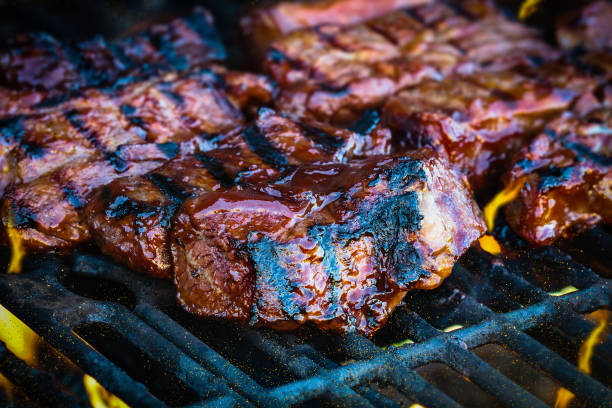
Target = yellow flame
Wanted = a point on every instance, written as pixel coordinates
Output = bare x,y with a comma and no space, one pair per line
417,406
18,337
490,244
502,198
586,350
528,8
17,249
564,291
99,397
585,354
564,396
452,328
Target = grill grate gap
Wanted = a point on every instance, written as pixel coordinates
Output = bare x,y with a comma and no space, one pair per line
99,289
457,386
514,367
159,381
229,341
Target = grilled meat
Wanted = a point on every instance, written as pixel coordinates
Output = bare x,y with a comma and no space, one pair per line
256,155
55,159
568,179
476,121
38,70
587,28
337,245
47,212
332,72
94,125
266,23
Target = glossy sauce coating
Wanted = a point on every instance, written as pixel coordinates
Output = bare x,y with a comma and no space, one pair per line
255,155
70,150
335,244
477,121
569,179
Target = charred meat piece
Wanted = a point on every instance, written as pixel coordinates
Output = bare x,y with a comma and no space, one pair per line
47,212
266,23
94,125
337,245
255,156
587,28
476,121
36,69
331,72
567,175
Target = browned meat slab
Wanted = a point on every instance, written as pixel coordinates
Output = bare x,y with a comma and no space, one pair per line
94,125
337,245
54,160
268,22
476,121
567,172
257,155
587,28
38,70
333,72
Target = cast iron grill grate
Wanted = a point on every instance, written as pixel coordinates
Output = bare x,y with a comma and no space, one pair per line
107,320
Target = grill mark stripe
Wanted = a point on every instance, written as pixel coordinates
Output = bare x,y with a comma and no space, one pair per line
366,123
197,22
262,147
215,168
165,47
24,216
168,187
92,136
11,130
270,273
118,53
75,57
71,195
582,150
321,138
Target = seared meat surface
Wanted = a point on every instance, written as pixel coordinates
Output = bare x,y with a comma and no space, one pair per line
476,121
38,70
256,155
168,109
567,171
587,28
57,158
338,245
268,22
333,72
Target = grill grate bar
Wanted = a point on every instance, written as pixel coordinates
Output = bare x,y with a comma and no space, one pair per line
585,387
149,325
360,348
302,366
194,347
40,385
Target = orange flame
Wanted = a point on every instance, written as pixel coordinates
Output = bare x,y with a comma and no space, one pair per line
585,354
17,249
528,8
7,387
502,198
99,397
490,244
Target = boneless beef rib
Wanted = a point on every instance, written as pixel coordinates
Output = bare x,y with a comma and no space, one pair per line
335,244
